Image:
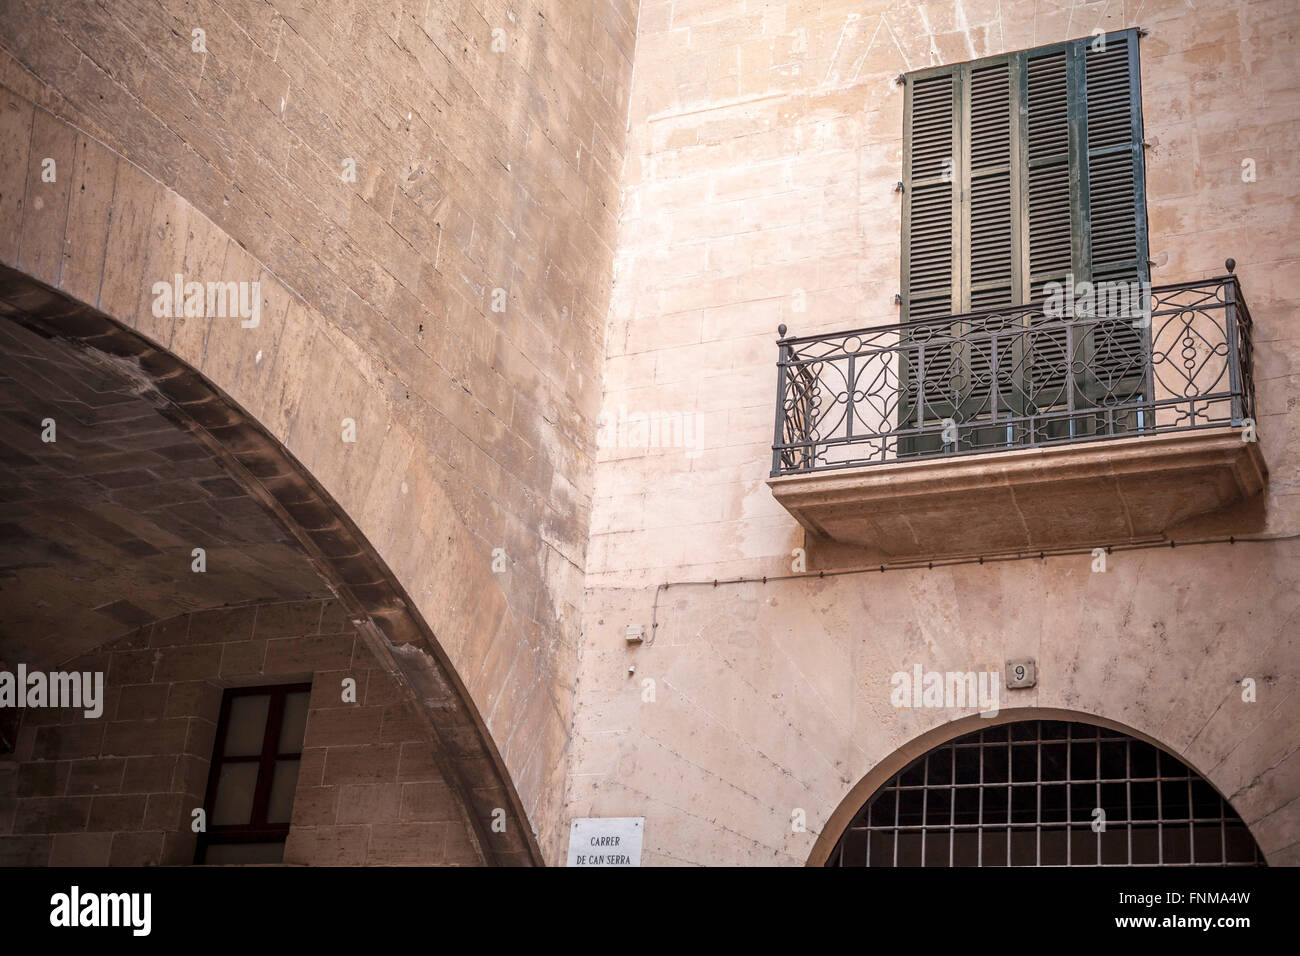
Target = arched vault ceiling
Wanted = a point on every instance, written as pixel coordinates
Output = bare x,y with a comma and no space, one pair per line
150,461
98,527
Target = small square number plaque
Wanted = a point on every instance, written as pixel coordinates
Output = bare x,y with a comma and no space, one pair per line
1021,674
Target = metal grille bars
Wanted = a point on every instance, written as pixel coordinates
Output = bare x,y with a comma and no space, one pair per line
1046,793
1014,378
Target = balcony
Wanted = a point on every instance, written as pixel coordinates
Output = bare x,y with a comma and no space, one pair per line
1019,430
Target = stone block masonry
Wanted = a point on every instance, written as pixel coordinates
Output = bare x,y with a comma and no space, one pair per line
119,790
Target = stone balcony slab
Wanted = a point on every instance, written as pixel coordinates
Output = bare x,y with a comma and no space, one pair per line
1090,494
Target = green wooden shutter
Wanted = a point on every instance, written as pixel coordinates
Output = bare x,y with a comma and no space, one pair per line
1050,251
930,221
1049,197
991,237
961,180
961,233
1114,215
931,250
1116,208
991,176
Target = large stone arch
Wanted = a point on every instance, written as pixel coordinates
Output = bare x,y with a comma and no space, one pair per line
375,601
81,255
386,175
923,743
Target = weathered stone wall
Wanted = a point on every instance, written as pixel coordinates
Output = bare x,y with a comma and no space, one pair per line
764,144
477,169
119,789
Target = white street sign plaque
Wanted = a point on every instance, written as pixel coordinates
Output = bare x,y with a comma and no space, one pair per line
606,841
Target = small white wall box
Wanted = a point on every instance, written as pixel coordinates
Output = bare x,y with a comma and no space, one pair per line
1021,674
635,633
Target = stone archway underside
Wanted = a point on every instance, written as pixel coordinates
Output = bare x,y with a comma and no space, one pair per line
333,546
103,503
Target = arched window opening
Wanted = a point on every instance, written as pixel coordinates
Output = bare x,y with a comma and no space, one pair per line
1046,793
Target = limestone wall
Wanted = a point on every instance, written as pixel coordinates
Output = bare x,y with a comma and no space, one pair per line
765,142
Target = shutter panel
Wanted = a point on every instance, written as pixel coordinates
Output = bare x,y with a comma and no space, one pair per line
991,238
1114,161
1115,220
930,281
1053,223
931,235
1081,201
991,235
1047,155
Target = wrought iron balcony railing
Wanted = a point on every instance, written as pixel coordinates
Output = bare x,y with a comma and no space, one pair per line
1014,378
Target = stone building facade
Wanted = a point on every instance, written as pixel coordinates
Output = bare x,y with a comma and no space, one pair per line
505,388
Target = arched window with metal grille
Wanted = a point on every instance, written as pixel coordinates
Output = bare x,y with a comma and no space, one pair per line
1046,793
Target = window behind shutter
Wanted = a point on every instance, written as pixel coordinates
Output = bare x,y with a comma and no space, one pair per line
1019,171
1045,154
